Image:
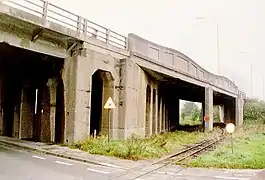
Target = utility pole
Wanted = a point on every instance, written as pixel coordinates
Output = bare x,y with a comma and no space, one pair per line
218,49
217,44
251,80
263,90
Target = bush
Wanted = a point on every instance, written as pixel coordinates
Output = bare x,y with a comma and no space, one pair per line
254,111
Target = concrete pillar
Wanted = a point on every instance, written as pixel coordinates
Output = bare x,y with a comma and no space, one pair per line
108,90
27,113
209,108
154,111
149,115
52,85
45,114
221,113
203,113
227,114
15,132
239,110
1,105
82,99
76,78
160,115
164,116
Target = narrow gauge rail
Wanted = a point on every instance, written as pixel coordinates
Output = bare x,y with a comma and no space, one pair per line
175,158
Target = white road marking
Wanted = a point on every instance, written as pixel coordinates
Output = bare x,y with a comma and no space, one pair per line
64,163
111,165
224,177
106,167
103,172
168,173
38,157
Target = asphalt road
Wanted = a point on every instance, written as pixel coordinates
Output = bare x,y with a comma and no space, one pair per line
21,165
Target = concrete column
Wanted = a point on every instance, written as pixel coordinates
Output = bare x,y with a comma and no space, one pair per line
27,114
52,85
203,113
209,108
82,99
177,114
160,115
227,114
164,116
108,91
239,110
1,103
154,111
15,132
149,117
76,78
221,113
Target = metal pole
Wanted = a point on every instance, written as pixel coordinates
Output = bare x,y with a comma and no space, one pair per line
218,49
263,92
108,125
232,144
251,80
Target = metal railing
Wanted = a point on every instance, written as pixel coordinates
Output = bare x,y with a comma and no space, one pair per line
54,13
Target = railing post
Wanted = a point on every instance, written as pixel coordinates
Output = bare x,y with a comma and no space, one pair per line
107,35
45,9
79,24
95,33
85,28
126,45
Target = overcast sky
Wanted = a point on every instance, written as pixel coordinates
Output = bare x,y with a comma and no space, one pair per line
174,23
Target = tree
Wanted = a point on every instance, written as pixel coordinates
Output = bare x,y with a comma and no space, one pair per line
254,111
189,108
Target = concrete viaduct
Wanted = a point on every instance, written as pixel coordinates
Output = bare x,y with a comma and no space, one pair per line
57,70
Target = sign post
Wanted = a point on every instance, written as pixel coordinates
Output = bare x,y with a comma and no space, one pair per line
230,128
109,105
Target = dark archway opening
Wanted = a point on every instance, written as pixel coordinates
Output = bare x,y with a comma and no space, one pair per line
59,115
96,103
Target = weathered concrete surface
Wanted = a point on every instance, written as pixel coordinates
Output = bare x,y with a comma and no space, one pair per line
176,64
138,80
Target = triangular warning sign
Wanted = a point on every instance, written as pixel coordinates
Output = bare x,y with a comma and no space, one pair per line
109,104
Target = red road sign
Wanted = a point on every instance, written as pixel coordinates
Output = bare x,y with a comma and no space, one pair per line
206,118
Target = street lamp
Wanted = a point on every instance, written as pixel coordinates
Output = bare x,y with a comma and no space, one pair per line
217,44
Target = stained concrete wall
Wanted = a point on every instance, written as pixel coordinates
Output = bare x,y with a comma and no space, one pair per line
77,77
141,118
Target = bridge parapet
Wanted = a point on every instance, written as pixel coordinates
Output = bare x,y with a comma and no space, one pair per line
82,26
179,61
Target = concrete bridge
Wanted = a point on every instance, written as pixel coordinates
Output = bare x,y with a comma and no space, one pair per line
58,69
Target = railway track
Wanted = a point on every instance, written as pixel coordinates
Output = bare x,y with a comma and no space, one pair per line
174,158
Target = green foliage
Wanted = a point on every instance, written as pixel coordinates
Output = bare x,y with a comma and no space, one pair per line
191,114
249,150
254,111
189,108
216,114
136,148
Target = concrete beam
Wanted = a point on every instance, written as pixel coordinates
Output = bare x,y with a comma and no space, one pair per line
38,46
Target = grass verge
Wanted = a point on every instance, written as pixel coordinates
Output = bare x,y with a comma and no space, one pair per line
249,150
136,148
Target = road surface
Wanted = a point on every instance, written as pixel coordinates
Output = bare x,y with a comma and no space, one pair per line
21,165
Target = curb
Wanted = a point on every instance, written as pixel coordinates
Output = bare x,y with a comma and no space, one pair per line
55,154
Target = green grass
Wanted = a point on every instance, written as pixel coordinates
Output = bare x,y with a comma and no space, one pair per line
188,120
136,148
249,152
